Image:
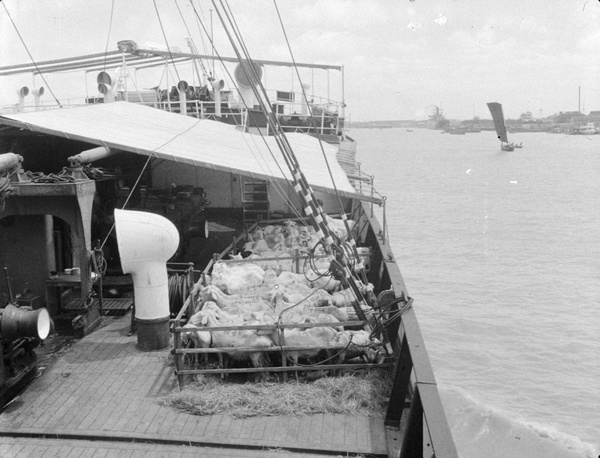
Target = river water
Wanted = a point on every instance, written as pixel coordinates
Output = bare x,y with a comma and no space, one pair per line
501,252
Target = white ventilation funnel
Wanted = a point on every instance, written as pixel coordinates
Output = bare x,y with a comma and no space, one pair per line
22,93
217,86
37,94
107,85
182,87
146,242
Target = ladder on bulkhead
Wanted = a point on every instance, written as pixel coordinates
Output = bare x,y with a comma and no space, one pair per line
255,200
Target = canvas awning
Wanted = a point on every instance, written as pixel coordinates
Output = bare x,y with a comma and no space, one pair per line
199,142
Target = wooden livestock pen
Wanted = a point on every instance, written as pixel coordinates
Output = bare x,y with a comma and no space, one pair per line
415,421
186,358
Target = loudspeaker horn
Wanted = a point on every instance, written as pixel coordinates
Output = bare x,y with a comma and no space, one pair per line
15,323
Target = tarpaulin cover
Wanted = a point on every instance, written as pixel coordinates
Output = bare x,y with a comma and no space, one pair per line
198,142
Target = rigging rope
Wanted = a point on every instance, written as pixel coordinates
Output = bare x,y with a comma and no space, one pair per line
191,40
112,8
301,186
166,41
282,193
359,265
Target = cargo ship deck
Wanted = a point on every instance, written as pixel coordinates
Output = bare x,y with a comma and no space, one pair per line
102,397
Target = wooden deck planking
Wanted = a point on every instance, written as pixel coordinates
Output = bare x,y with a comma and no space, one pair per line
209,425
128,383
258,428
190,426
95,395
304,430
316,428
224,427
115,402
235,428
104,387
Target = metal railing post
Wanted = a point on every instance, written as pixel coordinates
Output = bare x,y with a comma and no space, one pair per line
178,356
412,446
400,385
384,228
372,195
360,175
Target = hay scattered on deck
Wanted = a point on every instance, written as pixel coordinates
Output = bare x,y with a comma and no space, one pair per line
360,393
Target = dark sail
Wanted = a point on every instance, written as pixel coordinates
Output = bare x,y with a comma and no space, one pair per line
498,116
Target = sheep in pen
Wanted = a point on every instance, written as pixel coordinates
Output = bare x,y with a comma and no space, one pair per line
276,310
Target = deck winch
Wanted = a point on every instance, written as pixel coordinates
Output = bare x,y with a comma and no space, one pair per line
21,330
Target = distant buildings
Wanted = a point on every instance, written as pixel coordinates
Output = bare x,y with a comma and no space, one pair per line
562,122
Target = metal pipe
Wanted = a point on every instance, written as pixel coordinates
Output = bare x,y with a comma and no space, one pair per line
49,243
384,229
93,154
10,295
9,161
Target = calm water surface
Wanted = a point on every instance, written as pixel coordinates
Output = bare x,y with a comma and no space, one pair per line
501,252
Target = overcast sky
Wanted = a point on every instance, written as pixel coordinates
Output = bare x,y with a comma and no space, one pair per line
400,57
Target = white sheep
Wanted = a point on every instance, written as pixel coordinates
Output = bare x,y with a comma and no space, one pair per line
233,303
359,344
236,278
199,339
317,337
238,338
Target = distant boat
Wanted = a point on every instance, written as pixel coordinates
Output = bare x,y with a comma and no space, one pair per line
498,117
588,129
457,130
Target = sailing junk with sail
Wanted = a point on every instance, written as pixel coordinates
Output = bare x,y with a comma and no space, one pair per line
498,117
